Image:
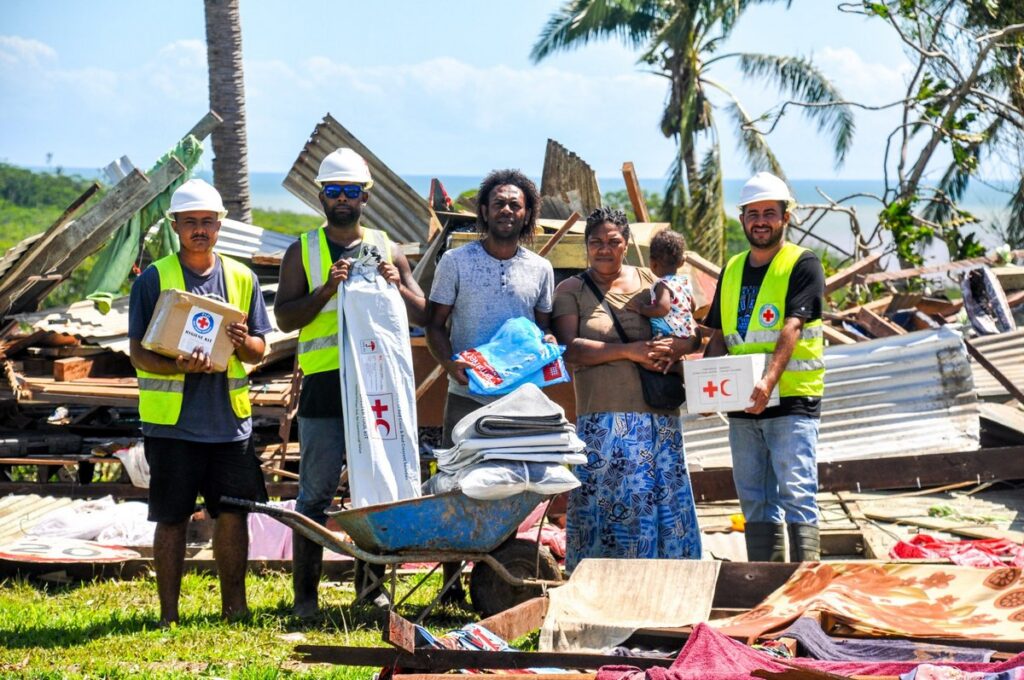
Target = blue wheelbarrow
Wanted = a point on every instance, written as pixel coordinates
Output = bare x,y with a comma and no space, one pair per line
447,527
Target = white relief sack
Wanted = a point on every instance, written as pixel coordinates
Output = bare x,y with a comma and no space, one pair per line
378,390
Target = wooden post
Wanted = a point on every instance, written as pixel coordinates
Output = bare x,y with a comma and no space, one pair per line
562,231
636,196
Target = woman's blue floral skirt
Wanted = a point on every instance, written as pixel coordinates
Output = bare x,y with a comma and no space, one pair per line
635,500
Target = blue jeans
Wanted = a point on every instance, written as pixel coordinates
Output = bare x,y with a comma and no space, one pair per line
775,469
322,442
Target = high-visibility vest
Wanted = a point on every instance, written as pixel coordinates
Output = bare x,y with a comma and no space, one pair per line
804,375
160,395
318,340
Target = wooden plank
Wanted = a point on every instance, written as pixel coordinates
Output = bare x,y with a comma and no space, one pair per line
518,621
636,195
71,368
400,632
206,125
935,268
939,306
876,325
847,275
1015,391
876,542
562,231
890,472
836,336
429,659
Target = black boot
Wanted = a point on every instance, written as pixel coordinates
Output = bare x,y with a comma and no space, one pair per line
765,542
307,563
368,579
804,542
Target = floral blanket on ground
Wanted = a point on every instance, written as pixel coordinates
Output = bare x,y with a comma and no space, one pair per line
882,599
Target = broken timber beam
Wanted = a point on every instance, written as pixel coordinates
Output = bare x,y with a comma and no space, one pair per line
897,472
877,325
935,268
636,195
430,659
848,275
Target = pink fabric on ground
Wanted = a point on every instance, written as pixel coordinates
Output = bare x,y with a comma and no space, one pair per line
710,654
271,540
978,553
551,536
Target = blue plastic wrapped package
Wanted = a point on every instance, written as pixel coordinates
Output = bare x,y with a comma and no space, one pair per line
516,354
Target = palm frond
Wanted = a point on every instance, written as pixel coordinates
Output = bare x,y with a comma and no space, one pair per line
578,22
727,12
1015,229
677,201
755,146
706,224
803,80
953,184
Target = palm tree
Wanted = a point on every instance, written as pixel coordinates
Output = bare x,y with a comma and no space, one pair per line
227,98
678,39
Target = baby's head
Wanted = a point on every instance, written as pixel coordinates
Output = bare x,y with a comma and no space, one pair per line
668,252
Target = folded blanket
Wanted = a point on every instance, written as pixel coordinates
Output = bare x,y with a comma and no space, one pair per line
512,426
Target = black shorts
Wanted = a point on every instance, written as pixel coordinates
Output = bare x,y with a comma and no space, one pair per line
180,470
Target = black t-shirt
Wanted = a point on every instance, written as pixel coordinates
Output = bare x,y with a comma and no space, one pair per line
804,300
321,392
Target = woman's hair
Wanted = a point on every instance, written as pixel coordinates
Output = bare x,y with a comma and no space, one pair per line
602,215
515,178
670,247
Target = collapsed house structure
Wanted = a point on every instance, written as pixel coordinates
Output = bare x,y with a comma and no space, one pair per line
921,393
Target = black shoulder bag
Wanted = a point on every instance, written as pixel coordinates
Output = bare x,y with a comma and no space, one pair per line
661,391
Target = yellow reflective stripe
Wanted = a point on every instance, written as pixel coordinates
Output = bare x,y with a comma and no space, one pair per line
162,385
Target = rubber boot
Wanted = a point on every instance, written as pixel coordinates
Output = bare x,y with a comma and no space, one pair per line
804,542
307,563
766,542
361,579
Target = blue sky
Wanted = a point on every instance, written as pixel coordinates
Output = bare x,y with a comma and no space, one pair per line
433,88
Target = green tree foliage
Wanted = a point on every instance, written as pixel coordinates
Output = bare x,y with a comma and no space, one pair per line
620,199
27,189
679,39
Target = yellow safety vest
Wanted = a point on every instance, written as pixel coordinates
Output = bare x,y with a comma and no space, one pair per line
160,395
318,340
804,375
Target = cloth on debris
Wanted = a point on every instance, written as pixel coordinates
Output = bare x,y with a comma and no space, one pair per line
512,426
710,654
985,302
102,520
887,599
635,500
122,251
269,539
816,643
525,401
605,601
927,671
977,553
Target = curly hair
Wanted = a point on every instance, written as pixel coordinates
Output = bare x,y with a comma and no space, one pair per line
670,247
602,215
515,178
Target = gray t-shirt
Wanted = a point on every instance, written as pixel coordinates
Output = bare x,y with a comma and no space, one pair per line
206,414
485,292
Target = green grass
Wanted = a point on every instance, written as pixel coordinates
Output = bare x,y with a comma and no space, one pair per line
284,221
107,629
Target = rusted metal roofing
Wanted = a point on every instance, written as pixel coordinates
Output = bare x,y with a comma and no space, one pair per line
394,206
904,395
1006,351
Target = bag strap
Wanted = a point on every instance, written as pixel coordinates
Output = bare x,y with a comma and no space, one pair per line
604,303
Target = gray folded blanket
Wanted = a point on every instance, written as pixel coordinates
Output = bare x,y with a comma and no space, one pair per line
516,426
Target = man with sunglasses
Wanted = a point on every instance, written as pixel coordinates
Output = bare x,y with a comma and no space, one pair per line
311,272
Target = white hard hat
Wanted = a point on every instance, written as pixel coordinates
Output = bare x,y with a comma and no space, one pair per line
764,186
196,194
344,165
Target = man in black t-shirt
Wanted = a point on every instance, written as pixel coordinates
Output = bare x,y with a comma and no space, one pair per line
769,299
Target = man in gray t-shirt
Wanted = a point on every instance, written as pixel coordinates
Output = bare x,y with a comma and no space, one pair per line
480,286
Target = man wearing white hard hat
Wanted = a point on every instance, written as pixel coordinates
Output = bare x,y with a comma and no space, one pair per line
196,422
769,300
311,272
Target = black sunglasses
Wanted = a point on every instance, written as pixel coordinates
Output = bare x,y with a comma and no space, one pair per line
350,190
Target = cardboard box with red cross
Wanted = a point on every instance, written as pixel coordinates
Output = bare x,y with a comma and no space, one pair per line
724,383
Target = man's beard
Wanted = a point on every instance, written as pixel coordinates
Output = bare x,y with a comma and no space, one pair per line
773,239
343,218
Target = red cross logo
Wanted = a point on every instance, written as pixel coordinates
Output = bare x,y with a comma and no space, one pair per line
203,322
710,389
769,316
378,408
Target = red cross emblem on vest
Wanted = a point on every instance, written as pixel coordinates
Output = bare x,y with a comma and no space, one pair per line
768,315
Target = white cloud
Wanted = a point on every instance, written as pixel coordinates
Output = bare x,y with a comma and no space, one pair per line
872,83
18,51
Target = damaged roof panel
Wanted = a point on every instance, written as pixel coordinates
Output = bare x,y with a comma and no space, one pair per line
1006,351
903,395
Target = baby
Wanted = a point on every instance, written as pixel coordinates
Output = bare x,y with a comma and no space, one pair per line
671,303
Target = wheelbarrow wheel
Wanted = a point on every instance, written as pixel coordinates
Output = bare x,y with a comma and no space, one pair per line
492,594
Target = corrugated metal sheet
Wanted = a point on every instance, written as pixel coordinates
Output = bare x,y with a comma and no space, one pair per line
1006,351
243,241
394,206
905,395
